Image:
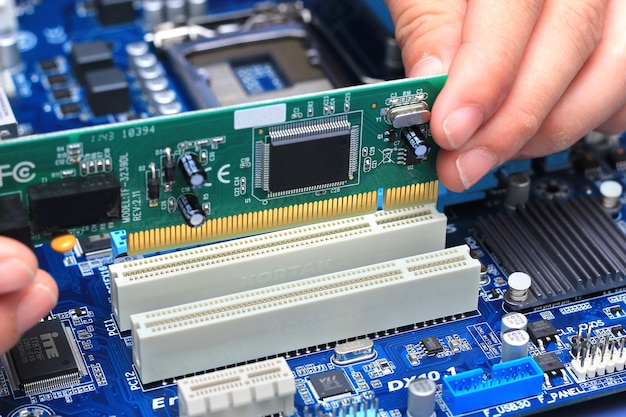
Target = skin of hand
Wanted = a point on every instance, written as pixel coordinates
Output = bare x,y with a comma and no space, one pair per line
525,78
27,293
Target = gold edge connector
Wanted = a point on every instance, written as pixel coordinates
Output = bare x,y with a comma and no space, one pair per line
411,194
214,230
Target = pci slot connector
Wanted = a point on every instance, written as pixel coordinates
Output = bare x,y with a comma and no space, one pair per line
273,258
260,389
268,321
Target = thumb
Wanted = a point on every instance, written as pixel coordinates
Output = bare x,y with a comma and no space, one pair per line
429,33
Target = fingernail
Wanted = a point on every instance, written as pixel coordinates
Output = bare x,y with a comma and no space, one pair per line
429,65
37,302
461,124
474,164
14,275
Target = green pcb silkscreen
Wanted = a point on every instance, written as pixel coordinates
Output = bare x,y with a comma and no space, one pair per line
210,175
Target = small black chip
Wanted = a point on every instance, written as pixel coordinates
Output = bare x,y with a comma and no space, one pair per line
331,384
62,94
96,246
309,161
615,310
431,345
542,330
43,360
617,158
70,109
49,65
549,363
57,79
617,329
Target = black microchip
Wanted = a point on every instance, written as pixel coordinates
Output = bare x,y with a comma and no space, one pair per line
617,329
431,345
542,330
107,91
75,202
309,161
49,65
331,384
618,159
115,12
89,56
588,165
96,246
62,94
42,356
69,109
57,79
615,310
549,363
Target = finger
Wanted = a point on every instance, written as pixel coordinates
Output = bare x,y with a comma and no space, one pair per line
615,124
562,40
22,309
17,265
495,34
597,93
428,32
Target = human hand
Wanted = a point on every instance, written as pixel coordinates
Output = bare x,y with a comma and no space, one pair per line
525,78
27,293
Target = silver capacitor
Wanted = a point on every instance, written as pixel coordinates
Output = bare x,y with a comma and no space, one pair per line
10,58
515,345
153,12
135,49
197,8
169,108
421,398
158,98
517,190
513,321
140,62
175,9
155,84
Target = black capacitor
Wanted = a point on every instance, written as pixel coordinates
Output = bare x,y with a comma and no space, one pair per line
192,170
169,167
191,210
416,139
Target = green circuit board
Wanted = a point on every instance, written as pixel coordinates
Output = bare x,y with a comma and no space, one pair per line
214,174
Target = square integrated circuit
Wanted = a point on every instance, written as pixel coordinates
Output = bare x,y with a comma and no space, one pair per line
309,155
331,384
43,359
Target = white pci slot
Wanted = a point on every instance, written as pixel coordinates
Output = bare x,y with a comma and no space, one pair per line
259,389
273,258
280,318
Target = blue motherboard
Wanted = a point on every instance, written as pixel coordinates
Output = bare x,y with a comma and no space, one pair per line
522,351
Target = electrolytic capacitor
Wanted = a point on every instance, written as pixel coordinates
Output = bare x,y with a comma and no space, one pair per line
169,167
191,210
515,345
421,398
417,141
513,321
154,186
192,170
